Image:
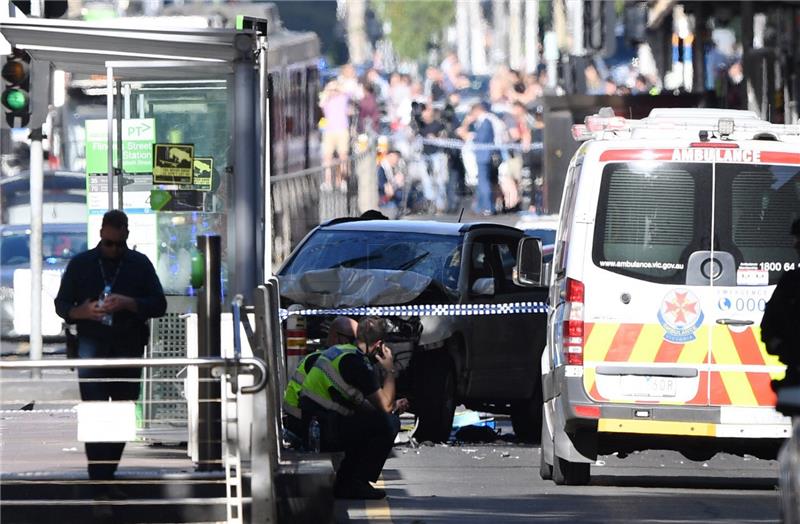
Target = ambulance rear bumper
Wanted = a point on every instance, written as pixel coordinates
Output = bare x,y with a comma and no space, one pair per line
580,412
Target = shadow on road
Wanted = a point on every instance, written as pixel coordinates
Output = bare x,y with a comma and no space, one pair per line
684,482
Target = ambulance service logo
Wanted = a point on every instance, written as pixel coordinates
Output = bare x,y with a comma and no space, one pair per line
680,315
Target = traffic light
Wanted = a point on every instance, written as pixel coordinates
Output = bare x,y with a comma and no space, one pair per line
16,98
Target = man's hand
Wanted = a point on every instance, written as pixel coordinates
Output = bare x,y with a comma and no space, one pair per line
115,302
89,310
401,405
385,358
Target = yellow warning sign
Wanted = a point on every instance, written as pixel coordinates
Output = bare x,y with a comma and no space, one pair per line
203,167
173,163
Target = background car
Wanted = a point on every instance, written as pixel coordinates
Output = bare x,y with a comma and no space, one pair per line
60,242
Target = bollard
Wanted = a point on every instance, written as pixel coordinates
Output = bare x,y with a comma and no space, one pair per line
208,337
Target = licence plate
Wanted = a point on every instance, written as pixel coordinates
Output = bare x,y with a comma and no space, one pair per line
645,386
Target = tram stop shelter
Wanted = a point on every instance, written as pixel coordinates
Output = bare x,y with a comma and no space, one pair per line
187,109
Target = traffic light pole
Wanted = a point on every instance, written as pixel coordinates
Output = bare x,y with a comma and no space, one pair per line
36,192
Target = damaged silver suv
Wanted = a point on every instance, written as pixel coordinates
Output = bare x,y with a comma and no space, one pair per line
487,362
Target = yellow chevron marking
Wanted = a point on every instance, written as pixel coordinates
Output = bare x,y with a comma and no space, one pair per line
656,427
599,342
696,351
647,344
595,350
736,384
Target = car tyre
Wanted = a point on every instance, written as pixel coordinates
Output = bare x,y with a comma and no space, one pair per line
435,398
570,473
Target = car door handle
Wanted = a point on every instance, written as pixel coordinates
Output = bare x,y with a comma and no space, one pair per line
733,322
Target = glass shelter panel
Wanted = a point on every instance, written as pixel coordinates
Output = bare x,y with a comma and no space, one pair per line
191,182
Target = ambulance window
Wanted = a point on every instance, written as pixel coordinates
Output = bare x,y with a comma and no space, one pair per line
755,207
566,213
647,219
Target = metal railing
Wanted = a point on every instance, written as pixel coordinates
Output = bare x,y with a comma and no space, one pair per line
303,199
39,422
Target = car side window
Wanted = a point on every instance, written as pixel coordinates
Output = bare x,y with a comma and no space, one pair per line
495,258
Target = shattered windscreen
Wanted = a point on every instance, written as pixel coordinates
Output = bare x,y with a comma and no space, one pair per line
437,257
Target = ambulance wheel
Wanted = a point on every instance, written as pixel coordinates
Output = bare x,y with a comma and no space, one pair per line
435,399
545,469
526,417
570,473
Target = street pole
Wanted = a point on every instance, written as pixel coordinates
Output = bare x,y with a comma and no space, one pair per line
266,173
110,138
246,220
36,191
499,33
209,314
477,44
118,171
462,34
515,33
531,35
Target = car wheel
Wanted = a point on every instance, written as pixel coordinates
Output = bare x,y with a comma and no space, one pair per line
435,398
570,473
526,417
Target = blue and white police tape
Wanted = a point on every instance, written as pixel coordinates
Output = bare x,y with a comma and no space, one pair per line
453,143
424,310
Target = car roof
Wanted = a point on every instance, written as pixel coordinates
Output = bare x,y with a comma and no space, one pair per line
431,227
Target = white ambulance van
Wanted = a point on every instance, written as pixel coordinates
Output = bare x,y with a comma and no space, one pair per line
673,232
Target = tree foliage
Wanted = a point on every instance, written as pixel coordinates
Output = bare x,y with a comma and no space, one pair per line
415,23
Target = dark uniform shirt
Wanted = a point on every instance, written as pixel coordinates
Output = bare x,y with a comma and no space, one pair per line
358,371
782,321
132,275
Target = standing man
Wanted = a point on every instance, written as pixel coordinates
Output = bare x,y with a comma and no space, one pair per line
477,127
355,412
341,331
110,292
780,326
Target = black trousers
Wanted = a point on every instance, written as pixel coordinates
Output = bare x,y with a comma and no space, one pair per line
103,457
366,437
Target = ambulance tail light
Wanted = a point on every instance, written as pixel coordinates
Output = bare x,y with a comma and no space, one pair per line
573,323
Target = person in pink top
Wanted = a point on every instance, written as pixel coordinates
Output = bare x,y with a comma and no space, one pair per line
335,105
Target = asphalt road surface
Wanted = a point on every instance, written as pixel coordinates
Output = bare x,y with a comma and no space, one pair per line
499,482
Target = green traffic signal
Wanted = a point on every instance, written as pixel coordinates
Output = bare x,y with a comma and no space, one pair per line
15,99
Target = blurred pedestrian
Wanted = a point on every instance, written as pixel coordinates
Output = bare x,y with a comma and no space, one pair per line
477,127
334,102
110,292
368,112
391,183
780,325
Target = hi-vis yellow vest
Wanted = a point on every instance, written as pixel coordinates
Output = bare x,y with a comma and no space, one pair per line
325,376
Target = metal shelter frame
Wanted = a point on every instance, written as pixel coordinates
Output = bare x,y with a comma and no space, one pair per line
124,55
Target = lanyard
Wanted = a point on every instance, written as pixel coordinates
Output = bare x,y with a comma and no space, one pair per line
106,283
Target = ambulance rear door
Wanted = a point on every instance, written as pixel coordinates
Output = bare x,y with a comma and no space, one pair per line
646,297
756,198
